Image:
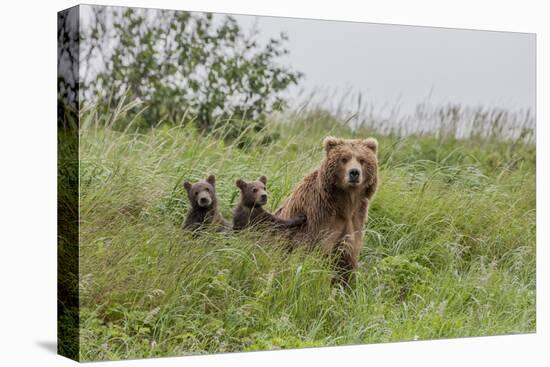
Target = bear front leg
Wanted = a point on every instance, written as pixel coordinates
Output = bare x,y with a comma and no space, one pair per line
347,254
241,219
289,223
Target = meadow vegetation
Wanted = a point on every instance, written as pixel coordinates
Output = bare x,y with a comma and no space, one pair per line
449,249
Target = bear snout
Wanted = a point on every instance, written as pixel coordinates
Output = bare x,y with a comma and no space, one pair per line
204,200
354,175
263,198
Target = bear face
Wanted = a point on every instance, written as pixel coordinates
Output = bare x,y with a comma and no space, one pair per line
253,193
350,163
203,193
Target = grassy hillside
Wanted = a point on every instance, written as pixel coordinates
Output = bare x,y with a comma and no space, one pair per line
449,248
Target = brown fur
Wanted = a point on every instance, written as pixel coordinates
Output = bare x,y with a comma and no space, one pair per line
335,206
250,209
204,205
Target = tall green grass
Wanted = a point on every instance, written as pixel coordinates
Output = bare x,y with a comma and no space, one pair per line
449,248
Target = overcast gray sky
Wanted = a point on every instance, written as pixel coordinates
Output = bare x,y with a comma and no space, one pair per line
395,68
403,65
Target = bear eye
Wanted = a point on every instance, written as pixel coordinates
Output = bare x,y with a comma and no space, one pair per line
255,190
344,160
361,161
196,193
207,189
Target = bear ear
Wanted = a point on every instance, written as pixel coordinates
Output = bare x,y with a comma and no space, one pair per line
211,180
372,144
263,179
187,185
330,142
240,184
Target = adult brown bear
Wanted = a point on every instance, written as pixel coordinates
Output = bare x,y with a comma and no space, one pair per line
335,199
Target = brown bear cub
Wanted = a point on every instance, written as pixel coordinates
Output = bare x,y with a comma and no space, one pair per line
250,209
204,205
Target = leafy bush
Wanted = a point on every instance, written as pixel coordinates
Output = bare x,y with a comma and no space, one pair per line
400,275
184,66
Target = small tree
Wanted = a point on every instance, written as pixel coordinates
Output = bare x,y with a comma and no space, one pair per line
184,66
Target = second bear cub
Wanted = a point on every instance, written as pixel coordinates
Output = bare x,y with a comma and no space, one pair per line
250,209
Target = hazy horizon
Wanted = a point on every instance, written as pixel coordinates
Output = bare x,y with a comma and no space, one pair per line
399,65
383,73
